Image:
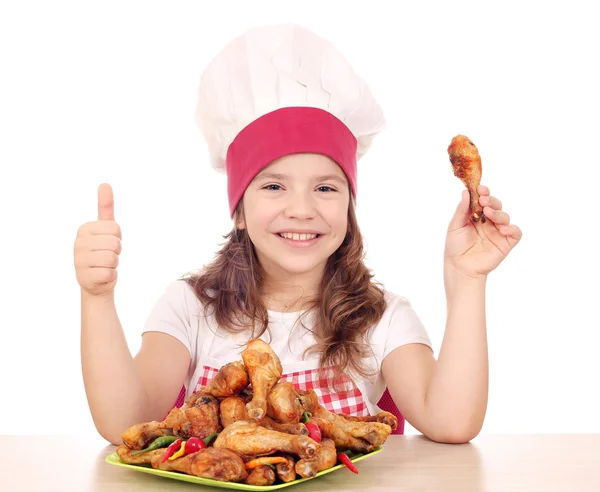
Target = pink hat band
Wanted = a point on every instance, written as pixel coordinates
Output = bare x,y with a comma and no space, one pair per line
286,131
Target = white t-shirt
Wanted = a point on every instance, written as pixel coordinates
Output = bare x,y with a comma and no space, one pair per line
178,312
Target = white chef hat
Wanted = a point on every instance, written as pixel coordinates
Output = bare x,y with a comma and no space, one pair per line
278,90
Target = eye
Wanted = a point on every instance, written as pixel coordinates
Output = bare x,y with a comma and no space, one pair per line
325,188
272,187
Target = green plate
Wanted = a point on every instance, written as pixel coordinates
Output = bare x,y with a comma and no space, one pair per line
114,459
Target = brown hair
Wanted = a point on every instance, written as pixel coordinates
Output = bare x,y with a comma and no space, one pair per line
349,303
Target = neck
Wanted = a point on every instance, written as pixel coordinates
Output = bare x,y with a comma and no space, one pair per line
284,291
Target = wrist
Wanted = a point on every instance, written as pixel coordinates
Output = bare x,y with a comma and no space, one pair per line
457,282
88,299
455,273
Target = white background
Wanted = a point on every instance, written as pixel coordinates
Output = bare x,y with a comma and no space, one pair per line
106,91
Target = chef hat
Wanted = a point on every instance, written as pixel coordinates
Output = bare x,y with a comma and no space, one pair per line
279,90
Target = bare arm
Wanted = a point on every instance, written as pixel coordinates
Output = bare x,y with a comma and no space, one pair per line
122,390
446,399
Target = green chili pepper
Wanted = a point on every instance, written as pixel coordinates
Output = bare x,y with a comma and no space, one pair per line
159,442
207,440
306,416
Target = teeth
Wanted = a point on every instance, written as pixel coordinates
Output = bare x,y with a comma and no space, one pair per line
297,237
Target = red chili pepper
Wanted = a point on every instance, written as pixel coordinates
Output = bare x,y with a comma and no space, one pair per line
173,448
313,431
345,460
194,444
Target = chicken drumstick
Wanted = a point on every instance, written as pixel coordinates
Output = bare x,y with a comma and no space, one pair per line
466,164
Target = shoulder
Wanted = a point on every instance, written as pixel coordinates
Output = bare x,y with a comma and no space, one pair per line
395,303
401,324
180,293
399,315
179,287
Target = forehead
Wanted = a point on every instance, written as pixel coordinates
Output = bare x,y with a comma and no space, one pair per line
305,165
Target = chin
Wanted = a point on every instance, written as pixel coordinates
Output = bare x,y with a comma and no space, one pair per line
297,266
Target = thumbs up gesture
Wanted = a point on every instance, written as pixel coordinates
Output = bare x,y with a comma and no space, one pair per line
97,248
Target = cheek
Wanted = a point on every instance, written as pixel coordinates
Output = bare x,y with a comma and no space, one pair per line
256,218
338,222
258,224
255,229
341,229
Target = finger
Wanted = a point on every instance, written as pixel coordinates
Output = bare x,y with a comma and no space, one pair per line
98,259
483,190
511,230
100,227
461,215
106,202
101,275
490,201
496,216
102,242
107,242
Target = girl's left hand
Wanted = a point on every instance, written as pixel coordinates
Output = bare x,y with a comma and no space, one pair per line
475,249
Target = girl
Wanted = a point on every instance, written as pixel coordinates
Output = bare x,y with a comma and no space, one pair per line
287,119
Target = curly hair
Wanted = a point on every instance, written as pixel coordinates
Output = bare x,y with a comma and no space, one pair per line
349,303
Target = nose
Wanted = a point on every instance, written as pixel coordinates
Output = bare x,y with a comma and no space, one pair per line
301,205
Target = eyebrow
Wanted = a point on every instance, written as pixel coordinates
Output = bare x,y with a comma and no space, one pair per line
282,177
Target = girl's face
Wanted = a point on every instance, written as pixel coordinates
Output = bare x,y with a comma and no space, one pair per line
296,213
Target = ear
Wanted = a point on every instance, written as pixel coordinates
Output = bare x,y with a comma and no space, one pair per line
238,216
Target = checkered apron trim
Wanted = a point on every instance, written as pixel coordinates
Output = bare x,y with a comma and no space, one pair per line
337,396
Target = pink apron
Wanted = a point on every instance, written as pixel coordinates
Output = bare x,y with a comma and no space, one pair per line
304,375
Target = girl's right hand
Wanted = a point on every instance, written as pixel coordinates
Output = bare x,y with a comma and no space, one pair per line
97,248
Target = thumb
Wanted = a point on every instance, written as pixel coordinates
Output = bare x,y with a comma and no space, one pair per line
462,214
106,202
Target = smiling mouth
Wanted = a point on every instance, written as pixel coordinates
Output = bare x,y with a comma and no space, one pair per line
295,236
